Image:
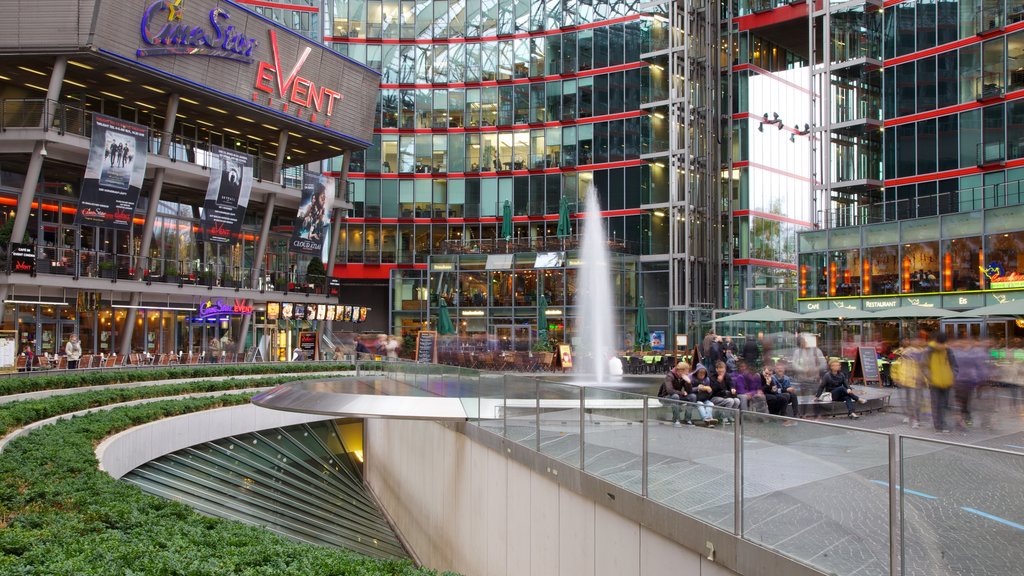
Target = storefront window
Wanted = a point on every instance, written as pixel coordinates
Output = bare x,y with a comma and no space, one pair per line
919,268
844,273
961,261
813,277
881,271
1004,260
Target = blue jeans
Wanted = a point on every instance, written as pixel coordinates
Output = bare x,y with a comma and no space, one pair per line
676,405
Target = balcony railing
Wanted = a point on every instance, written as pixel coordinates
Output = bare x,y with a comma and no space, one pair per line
516,245
123,267
967,200
66,119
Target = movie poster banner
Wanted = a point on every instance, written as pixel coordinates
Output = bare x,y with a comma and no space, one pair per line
113,173
314,214
227,195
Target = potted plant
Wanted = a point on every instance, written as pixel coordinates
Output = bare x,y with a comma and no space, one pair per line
171,272
106,268
544,351
315,273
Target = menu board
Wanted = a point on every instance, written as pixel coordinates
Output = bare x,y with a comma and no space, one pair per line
307,343
865,366
426,346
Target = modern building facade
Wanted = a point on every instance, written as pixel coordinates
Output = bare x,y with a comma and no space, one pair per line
191,83
485,103
921,194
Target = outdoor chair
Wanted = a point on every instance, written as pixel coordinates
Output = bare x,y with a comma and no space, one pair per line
85,361
636,365
62,363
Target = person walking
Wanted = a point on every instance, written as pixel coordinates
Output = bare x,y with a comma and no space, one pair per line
392,348
906,374
73,350
214,351
940,369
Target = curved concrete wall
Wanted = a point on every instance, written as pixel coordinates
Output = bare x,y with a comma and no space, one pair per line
465,507
127,450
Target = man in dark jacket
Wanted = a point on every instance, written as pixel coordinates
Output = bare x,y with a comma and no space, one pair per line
678,387
750,351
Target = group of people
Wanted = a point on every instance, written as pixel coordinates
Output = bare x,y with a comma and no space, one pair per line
953,374
769,391
73,350
384,346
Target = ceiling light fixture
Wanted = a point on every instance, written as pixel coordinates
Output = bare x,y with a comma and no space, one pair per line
189,100
231,131
245,119
27,69
116,77
80,65
112,95
216,110
144,105
155,89
144,307
27,85
37,302
73,83
203,122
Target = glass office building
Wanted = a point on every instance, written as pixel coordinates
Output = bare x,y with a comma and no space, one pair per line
486,103
923,204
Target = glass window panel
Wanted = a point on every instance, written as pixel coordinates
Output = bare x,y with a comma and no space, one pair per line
920,268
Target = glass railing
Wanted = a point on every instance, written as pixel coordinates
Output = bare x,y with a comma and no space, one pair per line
843,500
103,265
66,119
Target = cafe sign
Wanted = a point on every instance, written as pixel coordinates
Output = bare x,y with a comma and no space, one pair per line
23,258
218,307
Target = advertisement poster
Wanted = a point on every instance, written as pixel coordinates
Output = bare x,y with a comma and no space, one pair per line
227,195
314,214
565,356
331,309
273,310
299,312
286,311
658,340
307,342
113,173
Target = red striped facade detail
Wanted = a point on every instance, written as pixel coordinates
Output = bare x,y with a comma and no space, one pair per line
1016,95
484,83
953,173
952,45
356,271
520,35
493,173
770,216
279,5
763,72
765,263
749,164
774,16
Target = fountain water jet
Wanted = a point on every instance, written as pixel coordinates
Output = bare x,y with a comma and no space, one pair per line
595,313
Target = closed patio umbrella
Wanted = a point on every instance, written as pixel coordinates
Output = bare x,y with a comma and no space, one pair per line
506,220
564,229
444,319
542,318
642,337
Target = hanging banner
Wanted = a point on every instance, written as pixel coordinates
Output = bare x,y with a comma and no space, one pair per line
113,174
314,214
227,195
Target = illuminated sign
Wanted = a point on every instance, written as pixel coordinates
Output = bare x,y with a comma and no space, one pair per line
219,307
23,258
290,88
177,37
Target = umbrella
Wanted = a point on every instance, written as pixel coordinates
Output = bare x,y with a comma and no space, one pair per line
563,219
914,311
542,318
643,337
839,314
766,314
444,321
506,221
1011,308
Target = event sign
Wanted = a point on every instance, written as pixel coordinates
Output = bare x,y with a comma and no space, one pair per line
227,195
334,287
314,214
113,173
23,258
220,307
307,343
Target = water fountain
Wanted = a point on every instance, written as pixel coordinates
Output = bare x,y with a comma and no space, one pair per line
595,313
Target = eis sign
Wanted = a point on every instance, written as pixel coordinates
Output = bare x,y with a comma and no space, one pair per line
168,30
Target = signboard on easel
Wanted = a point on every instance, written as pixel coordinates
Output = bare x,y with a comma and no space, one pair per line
865,365
564,356
426,346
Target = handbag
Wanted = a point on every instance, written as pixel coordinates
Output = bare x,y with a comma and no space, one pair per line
825,397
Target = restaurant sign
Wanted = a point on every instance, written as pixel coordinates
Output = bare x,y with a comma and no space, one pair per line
881,304
218,307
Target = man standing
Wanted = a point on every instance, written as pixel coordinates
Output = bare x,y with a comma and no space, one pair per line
73,349
940,370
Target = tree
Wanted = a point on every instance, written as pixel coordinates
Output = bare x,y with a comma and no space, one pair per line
315,272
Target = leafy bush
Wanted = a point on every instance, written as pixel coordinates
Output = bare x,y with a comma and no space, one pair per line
60,515
52,381
17,414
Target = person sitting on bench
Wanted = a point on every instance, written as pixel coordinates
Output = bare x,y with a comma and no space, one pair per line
838,384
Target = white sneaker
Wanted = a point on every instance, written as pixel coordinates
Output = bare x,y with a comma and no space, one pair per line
677,425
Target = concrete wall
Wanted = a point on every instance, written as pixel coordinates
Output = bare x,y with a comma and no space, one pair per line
126,451
463,506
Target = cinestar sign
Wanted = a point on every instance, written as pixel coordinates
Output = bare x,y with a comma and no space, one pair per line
174,35
291,88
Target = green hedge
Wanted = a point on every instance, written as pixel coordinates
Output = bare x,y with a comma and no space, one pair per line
17,414
60,515
55,380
